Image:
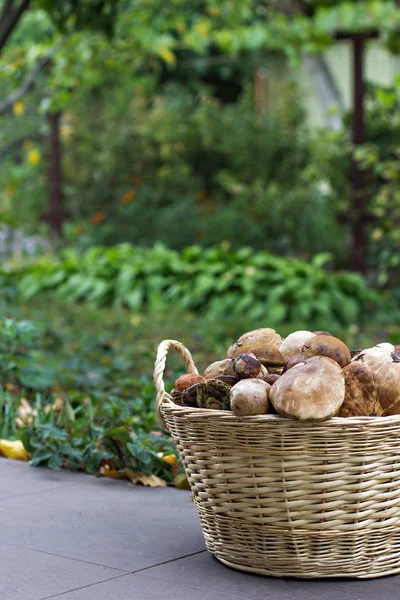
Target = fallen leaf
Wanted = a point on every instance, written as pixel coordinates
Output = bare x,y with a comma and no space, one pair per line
108,471
14,450
144,478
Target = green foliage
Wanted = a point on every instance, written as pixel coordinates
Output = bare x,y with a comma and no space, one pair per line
379,158
16,338
75,409
219,281
72,15
184,168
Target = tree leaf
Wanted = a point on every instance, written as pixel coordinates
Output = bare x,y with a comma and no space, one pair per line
144,478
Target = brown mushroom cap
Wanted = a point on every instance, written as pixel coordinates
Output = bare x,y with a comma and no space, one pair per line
210,393
219,367
322,333
271,378
361,398
247,366
385,370
310,391
294,342
228,379
327,345
294,360
250,397
265,337
186,381
268,356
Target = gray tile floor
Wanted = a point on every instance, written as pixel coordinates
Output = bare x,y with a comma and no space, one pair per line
75,537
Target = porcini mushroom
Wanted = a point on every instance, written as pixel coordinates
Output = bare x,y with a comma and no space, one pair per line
385,368
211,394
263,337
361,397
327,345
250,397
219,367
185,381
294,342
246,366
311,391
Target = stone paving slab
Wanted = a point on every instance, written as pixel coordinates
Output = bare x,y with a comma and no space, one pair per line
71,536
16,479
31,575
206,572
103,521
139,587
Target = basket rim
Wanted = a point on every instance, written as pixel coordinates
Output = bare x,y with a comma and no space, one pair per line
226,415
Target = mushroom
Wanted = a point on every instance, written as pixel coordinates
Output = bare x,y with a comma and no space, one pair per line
361,398
247,366
220,367
294,342
310,391
211,394
321,333
265,337
250,397
268,356
228,379
185,381
271,378
386,347
327,345
294,360
385,368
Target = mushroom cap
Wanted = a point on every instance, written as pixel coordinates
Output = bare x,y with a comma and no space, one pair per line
327,345
271,378
386,346
361,398
321,333
211,393
247,366
385,368
378,351
219,367
294,342
269,356
264,336
250,397
186,381
310,391
228,379
294,360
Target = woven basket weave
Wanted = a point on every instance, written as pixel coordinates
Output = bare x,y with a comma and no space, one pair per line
283,498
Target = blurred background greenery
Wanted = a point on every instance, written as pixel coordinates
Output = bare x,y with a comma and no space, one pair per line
188,169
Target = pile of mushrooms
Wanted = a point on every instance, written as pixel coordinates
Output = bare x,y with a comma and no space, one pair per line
309,376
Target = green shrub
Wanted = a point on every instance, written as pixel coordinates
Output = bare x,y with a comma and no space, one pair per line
219,281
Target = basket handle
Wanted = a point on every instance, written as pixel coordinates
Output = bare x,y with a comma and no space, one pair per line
159,369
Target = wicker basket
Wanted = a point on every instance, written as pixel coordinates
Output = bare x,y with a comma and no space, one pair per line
283,498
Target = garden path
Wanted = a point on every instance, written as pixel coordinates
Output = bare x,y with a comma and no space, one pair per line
76,537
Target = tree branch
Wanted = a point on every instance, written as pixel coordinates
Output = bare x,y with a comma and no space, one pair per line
7,6
30,78
9,19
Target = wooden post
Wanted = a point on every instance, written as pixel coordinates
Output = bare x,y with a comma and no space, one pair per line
56,213
358,211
